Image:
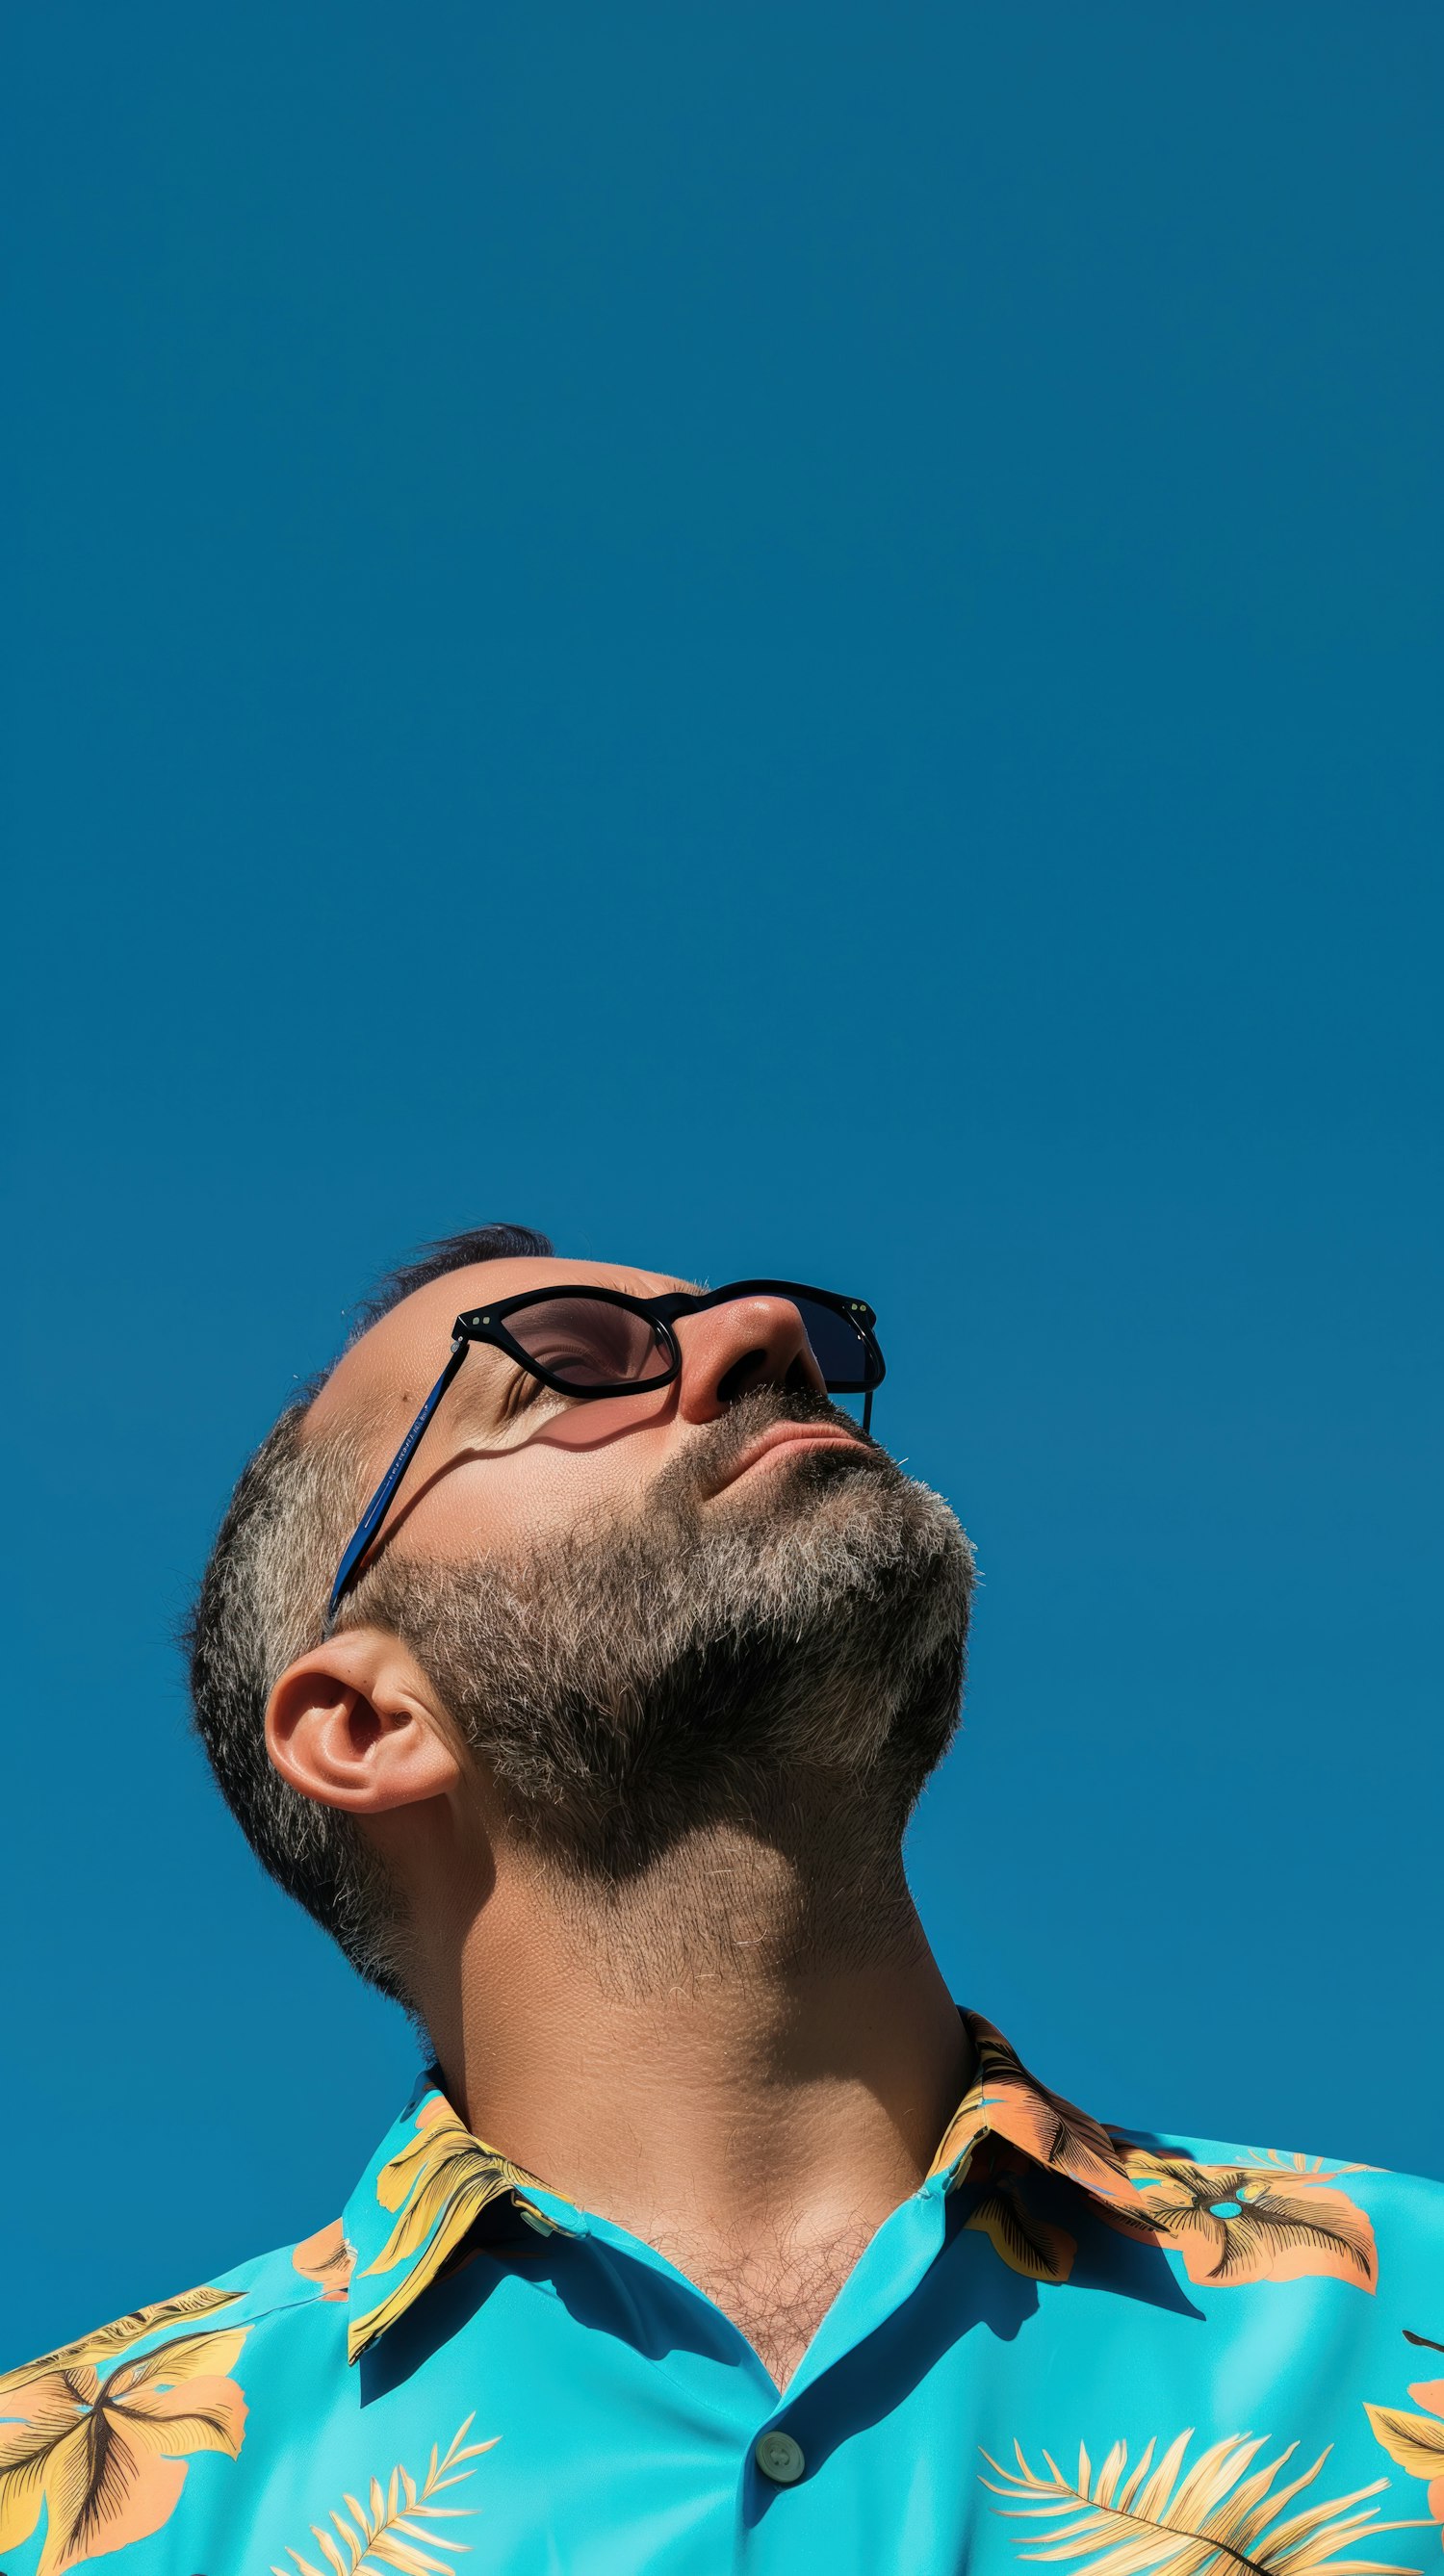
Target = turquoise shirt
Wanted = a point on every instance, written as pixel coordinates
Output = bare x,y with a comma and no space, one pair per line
1072,2344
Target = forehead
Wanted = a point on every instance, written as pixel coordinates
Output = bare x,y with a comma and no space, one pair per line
408,1347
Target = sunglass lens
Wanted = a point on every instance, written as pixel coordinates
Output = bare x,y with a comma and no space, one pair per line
839,1346
589,1344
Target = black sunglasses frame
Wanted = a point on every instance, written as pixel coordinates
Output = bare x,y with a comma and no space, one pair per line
488,1324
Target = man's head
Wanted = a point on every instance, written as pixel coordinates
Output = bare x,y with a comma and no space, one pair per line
632,1618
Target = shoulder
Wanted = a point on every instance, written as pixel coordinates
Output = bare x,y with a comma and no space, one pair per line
105,2430
235,2302
1357,2341
1238,2213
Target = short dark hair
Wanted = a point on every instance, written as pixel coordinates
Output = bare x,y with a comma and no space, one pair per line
261,1603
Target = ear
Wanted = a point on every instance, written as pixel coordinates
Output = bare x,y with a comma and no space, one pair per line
354,1724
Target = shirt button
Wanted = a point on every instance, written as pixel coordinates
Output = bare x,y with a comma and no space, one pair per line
780,2458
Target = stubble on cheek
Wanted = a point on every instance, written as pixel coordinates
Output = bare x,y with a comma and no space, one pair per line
698,1660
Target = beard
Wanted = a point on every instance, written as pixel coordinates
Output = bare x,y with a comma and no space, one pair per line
790,1667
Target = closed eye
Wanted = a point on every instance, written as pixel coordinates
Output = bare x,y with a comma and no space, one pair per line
525,1392
522,1390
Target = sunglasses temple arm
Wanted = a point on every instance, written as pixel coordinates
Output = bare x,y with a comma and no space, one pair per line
867,1410
380,1503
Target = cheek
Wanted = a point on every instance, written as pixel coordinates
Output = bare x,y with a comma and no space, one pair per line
612,1423
594,1457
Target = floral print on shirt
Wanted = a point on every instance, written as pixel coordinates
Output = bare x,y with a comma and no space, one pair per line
105,2459
1226,2318
1416,2442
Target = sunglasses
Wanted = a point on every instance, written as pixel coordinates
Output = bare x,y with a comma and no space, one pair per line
588,1342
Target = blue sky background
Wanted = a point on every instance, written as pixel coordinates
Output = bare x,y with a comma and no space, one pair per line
795,639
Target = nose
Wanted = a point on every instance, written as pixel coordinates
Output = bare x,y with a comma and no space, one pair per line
727,1351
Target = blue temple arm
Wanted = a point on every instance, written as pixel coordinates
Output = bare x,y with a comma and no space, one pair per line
380,1503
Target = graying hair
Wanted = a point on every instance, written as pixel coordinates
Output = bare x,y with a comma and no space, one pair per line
260,1605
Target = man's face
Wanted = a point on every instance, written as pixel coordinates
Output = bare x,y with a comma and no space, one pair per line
651,1611
508,1465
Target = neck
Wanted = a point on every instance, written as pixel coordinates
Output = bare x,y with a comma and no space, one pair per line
732,2052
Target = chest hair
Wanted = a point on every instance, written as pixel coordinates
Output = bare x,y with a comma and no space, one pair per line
776,2292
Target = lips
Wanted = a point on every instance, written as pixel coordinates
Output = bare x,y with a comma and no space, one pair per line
783,1435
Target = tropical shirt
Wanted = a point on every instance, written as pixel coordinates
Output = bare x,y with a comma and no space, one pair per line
1072,2345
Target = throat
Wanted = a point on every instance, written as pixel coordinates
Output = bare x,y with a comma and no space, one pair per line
730,2063
776,2294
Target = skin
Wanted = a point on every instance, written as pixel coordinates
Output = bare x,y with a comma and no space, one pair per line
679,2060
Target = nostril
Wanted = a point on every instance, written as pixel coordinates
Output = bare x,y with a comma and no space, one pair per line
742,1376
799,1379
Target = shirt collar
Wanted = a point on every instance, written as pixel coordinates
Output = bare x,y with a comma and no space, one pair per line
430,2179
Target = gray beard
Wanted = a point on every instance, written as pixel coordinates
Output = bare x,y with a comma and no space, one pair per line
790,1671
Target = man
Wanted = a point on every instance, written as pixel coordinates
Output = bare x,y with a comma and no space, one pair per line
715,2235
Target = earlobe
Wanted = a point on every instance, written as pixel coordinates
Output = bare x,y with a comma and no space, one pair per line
352,1725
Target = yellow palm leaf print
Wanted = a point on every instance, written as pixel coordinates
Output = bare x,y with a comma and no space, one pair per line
1415,2441
1222,2515
395,2528
440,2182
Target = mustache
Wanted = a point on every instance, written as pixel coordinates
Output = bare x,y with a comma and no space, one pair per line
709,1457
